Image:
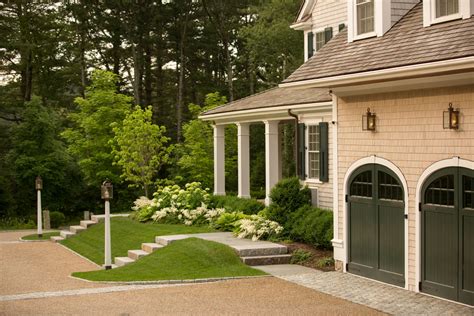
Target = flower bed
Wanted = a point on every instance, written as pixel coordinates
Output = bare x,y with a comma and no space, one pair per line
189,206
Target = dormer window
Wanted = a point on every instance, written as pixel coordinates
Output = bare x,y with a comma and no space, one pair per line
365,16
439,11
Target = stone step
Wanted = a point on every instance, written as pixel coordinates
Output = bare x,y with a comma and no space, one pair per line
166,240
66,234
86,223
259,250
150,247
76,229
101,217
56,238
266,260
121,261
137,254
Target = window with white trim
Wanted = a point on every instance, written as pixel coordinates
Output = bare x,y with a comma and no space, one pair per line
365,16
320,40
312,151
446,8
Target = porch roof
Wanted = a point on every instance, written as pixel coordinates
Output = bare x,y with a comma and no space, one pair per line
406,43
274,97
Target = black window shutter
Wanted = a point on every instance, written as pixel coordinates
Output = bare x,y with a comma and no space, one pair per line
301,151
324,152
327,34
310,44
341,26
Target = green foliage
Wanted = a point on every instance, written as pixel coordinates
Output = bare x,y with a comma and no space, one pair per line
16,223
300,256
139,147
312,226
235,204
89,137
228,221
191,258
287,196
325,262
56,219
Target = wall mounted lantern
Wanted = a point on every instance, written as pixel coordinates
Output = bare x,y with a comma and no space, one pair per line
368,121
451,118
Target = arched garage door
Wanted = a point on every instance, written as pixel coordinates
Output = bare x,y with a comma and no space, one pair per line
376,224
447,233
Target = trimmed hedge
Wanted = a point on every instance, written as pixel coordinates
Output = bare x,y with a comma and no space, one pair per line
235,204
312,226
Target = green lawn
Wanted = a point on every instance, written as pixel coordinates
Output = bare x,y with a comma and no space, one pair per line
126,235
190,258
46,236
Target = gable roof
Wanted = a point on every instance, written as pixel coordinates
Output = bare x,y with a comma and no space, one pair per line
273,98
406,43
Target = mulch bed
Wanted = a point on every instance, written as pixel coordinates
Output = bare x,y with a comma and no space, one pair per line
316,256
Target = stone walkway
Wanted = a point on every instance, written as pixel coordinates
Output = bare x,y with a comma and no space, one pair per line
373,294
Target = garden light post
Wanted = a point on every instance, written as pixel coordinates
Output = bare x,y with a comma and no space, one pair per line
39,187
107,194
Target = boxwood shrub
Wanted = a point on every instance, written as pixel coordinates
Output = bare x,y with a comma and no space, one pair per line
312,226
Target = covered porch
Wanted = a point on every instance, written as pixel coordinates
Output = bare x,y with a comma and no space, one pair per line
273,108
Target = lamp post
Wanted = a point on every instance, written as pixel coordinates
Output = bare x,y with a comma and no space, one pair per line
107,191
39,187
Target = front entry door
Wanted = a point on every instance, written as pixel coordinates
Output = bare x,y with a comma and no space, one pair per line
447,230
376,225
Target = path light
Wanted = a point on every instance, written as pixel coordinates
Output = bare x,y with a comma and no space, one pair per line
451,118
368,121
107,193
39,187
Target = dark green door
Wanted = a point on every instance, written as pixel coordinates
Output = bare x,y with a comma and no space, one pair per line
447,230
376,225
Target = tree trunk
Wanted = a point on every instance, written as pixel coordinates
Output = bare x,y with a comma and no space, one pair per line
230,72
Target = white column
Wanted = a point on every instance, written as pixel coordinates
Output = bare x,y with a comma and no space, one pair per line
243,143
39,214
219,159
107,250
271,157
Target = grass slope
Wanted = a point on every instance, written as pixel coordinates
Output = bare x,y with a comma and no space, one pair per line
126,235
46,236
190,258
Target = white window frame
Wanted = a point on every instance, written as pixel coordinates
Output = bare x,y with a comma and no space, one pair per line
382,20
466,8
311,122
319,31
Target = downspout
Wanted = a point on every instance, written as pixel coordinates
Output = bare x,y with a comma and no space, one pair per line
296,140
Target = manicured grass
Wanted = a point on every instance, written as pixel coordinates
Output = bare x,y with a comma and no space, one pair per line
46,236
190,258
126,235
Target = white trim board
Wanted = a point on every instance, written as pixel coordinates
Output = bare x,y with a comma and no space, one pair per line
446,163
384,162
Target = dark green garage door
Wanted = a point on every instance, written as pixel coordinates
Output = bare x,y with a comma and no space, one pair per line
447,230
376,225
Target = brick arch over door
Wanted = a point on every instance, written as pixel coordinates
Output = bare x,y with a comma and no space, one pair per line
391,166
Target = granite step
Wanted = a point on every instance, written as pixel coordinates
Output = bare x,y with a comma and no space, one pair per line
122,261
87,223
101,217
258,250
266,260
151,247
56,238
166,240
66,234
137,254
77,229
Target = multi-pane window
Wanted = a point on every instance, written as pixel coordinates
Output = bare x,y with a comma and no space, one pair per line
441,191
320,40
313,151
365,16
362,185
446,7
468,192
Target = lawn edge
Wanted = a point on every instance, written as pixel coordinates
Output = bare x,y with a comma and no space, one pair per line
78,254
186,281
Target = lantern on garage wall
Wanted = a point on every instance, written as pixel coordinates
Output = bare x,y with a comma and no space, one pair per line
368,121
451,118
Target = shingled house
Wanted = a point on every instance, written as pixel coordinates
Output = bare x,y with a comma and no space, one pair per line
386,116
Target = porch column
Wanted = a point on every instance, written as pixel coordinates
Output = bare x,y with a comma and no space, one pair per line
219,159
243,142
272,157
